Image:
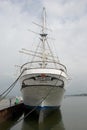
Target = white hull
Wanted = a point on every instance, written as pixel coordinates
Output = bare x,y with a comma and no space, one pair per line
34,96
45,91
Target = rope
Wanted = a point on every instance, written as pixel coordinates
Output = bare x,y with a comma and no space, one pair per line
7,91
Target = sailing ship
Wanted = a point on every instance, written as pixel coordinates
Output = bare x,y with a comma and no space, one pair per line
44,77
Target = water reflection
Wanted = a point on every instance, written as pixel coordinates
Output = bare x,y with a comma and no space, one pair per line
45,121
51,121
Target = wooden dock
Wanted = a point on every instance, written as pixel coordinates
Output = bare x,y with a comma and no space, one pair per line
9,108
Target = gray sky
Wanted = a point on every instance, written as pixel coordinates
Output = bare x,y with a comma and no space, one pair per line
67,19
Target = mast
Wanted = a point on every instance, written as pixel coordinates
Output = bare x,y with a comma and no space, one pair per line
43,50
43,38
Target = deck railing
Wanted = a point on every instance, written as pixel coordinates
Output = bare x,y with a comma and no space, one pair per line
38,65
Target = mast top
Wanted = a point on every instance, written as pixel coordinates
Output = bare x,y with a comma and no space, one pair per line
44,21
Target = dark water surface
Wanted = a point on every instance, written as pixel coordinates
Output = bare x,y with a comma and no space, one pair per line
71,116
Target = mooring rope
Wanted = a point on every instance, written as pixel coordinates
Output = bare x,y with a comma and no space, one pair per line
8,90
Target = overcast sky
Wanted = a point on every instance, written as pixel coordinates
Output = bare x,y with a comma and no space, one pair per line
67,19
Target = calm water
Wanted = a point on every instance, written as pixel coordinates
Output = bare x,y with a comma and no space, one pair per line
71,116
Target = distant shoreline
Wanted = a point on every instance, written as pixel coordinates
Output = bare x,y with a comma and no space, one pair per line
73,95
